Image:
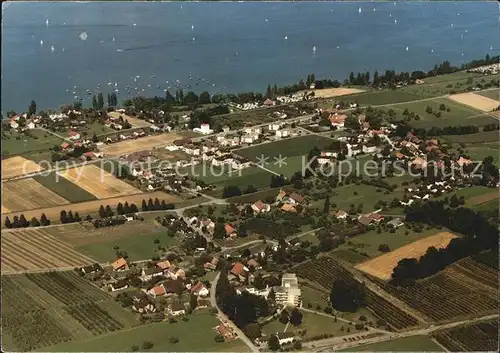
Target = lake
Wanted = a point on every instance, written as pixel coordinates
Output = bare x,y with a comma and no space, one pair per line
51,50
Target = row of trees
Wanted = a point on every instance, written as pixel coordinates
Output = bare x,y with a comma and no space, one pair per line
478,235
68,217
22,222
156,205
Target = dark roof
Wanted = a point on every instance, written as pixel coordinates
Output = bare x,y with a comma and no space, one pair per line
177,307
120,283
152,270
174,286
297,197
142,303
92,268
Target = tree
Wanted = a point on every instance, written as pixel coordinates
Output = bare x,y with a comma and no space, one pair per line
23,222
296,317
173,340
326,205
273,344
8,224
151,205
219,339
193,301
109,211
95,139
258,282
135,348
269,92
100,101
284,317
32,108
147,345
219,230
119,209
94,102
34,222
204,98
384,248
144,206
102,212
43,220
230,191
253,331
347,295
63,217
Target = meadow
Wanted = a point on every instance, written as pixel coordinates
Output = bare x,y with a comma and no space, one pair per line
374,98
493,94
14,142
480,137
64,188
195,335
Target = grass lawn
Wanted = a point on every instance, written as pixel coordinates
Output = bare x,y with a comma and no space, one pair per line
17,143
487,206
380,97
345,196
313,297
64,188
480,137
255,176
479,153
273,327
459,114
406,344
368,242
197,334
138,246
288,147
96,128
348,255
446,84
256,196
467,193
492,93
317,324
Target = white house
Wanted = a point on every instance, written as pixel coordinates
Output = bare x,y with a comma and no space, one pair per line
119,285
250,138
260,207
252,130
177,309
74,135
150,273
157,291
274,126
285,337
30,125
199,289
204,129
369,149
283,133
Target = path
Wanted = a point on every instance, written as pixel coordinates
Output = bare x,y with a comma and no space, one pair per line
225,319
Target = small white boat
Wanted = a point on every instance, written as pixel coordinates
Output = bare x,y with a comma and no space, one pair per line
314,49
286,37
41,43
359,10
52,48
47,22
407,48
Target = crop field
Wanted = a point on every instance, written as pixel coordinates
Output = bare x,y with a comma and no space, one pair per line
98,182
382,266
491,93
197,334
18,143
36,249
369,242
140,144
374,98
26,194
40,310
405,344
484,198
92,207
459,114
482,336
133,121
334,92
64,188
17,166
467,288
325,270
475,101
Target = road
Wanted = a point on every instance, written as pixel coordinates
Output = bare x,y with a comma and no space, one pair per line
225,319
333,343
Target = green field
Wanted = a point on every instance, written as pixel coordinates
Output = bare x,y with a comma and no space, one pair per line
380,97
345,196
64,188
256,196
195,335
41,140
493,94
480,137
459,114
369,242
480,152
406,344
288,147
138,246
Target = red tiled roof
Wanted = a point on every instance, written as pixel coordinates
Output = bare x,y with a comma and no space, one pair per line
238,269
229,229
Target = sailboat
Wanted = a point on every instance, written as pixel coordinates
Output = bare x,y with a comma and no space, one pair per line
47,22
52,48
41,43
314,49
113,39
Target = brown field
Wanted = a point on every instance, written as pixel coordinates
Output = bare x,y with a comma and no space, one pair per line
476,101
382,266
480,199
133,121
36,249
92,207
140,144
98,182
334,92
17,166
27,194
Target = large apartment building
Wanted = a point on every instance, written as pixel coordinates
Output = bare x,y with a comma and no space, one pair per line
289,293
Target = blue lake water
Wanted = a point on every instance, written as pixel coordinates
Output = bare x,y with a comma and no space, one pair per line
235,46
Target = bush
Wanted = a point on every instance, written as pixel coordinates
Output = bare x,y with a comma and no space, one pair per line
147,345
